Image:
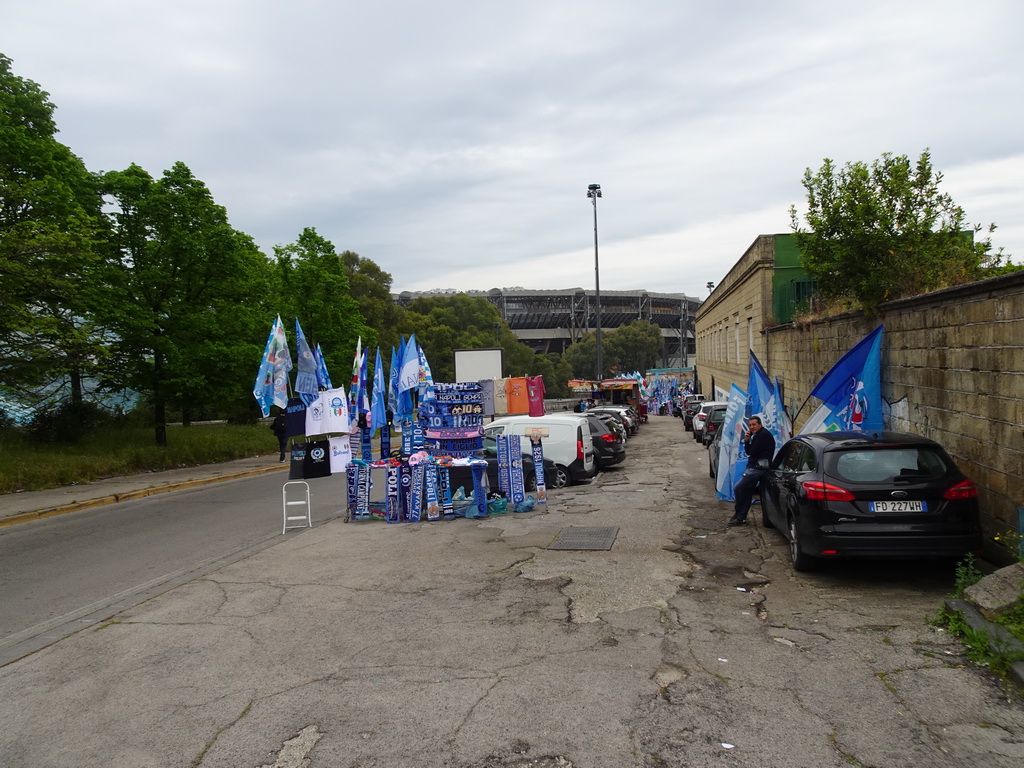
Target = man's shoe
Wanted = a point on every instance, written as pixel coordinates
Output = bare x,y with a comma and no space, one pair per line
736,521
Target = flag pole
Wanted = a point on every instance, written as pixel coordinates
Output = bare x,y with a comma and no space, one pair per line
798,410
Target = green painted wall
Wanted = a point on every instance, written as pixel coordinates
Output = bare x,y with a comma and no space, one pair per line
791,286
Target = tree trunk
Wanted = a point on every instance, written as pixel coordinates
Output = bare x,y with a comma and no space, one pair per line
76,386
159,401
160,414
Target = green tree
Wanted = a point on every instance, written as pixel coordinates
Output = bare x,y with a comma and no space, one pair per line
186,295
370,286
443,324
582,356
313,285
633,347
885,231
50,230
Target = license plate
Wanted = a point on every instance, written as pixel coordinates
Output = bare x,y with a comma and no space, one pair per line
898,506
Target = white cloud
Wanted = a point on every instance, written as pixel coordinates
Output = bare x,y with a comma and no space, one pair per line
452,142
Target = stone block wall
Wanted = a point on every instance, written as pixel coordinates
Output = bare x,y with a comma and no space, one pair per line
952,370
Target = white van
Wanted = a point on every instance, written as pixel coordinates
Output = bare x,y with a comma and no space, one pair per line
568,443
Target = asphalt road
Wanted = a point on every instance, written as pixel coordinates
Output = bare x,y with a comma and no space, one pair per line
65,572
471,644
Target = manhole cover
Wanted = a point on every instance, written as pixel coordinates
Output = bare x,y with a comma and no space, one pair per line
578,537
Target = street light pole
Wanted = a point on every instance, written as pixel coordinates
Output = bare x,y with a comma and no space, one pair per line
594,192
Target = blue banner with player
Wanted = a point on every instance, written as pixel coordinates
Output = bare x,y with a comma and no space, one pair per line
851,392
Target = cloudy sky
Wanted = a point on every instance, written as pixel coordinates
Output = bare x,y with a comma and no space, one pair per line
452,142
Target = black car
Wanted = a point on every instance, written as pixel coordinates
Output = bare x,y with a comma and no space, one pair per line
877,494
713,423
691,405
609,445
614,423
463,476
624,417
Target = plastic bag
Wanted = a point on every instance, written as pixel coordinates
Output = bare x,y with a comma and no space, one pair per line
526,505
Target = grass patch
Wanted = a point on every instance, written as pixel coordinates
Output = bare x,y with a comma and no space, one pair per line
982,648
1012,621
115,451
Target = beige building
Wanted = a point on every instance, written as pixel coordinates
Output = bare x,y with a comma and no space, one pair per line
952,361
759,291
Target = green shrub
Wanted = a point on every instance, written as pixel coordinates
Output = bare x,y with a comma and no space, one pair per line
68,423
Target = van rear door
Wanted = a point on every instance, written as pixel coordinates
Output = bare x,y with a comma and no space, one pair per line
588,447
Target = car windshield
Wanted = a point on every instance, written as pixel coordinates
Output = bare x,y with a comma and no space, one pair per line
890,465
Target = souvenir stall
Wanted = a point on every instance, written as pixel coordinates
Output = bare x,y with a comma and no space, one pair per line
667,386
440,425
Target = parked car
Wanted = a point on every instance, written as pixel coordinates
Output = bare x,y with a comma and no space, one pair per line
691,404
616,424
698,418
567,442
463,476
609,445
878,494
628,420
712,423
713,447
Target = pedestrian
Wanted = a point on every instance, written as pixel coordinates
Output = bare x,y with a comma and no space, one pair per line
281,432
760,447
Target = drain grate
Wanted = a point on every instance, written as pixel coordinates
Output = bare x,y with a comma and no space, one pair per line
579,537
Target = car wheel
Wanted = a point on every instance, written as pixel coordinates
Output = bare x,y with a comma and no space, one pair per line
530,481
562,478
711,470
801,560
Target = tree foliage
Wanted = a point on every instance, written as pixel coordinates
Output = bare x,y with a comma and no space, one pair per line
186,295
885,231
312,284
633,347
443,324
50,229
370,286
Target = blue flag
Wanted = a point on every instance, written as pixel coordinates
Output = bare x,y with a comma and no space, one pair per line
305,379
851,392
271,386
364,383
405,406
732,458
393,383
323,378
426,378
378,417
409,373
763,401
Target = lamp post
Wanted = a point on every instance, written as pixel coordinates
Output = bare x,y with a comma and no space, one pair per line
594,192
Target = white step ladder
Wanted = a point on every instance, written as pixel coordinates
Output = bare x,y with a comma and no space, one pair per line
292,521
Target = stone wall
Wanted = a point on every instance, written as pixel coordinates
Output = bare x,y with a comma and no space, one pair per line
952,370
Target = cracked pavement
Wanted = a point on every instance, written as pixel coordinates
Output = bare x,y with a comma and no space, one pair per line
467,644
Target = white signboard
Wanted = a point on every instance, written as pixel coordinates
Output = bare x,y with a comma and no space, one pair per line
477,364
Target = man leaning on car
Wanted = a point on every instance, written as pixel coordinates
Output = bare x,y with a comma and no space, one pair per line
760,447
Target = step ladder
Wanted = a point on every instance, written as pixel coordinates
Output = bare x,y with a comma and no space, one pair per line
299,498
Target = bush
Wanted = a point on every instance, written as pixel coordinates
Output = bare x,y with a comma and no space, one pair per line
68,423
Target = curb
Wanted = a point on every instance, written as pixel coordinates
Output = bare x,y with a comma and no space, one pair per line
76,506
999,640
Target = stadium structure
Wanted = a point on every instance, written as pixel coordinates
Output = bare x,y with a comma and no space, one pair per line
551,320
